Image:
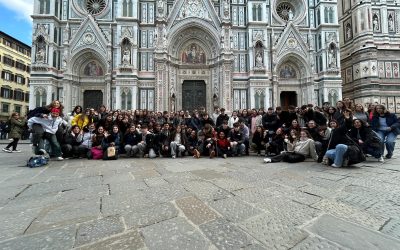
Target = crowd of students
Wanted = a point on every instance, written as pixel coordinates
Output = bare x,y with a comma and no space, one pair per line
336,135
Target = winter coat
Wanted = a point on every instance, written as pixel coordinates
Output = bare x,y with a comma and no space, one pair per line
391,120
17,128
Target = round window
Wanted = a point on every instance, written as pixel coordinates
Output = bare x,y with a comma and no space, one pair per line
95,7
285,10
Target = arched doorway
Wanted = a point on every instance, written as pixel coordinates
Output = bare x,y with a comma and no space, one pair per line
193,95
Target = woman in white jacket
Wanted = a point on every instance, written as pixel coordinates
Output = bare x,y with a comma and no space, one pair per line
304,146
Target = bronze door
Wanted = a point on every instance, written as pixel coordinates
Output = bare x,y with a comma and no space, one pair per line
288,98
193,95
92,99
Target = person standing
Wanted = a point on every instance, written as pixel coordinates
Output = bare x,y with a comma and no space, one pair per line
16,130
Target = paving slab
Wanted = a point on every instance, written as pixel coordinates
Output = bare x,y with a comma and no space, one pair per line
225,235
234,209
131,240
60,238
98,229
15,223
351,235
392,228
146,216
317,243
175,233
196,210
273,232
206,190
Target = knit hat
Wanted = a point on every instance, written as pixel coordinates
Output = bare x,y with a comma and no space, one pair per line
55,110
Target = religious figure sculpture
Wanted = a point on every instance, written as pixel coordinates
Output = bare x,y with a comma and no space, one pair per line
126,58
375,24
290,15
331,58
390,23
40,55
226,9
259,60
160,8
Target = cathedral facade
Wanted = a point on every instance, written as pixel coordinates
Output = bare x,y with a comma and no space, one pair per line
185,54
370,51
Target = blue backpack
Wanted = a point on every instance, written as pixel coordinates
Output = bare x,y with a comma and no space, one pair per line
37,161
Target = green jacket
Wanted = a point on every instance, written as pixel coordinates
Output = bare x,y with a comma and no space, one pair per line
17,128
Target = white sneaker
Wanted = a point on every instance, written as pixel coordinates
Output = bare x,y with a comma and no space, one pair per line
381,159
173,157
16,151
60,158
334,166
267,160
7,150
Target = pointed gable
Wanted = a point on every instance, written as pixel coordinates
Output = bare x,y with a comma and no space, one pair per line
291,41
201,9
89,36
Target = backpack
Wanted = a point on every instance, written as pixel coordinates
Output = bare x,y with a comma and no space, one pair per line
7,126
37,161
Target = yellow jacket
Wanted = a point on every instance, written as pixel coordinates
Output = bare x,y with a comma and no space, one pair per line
81,122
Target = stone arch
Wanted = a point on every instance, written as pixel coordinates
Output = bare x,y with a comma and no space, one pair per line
193,28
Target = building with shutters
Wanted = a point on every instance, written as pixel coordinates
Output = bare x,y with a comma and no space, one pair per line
370,52
15,62
185,54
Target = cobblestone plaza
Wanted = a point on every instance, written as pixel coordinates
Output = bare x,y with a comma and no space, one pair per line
198,204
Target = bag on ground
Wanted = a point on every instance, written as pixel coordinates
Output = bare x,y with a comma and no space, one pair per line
37,161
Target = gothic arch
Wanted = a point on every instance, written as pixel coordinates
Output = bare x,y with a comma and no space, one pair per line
194,28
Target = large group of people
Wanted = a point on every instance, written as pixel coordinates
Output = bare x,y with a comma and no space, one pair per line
337,135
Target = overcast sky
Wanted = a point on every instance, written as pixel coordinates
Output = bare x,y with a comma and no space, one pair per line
15,19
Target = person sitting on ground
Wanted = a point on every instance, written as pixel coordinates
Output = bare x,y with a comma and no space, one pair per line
71,142
259,140
367,139
304,146
237,139
112,139
178,142
131,139
209,140
277,144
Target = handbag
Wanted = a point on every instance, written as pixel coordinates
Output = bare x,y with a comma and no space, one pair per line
111,154
96,153
354,153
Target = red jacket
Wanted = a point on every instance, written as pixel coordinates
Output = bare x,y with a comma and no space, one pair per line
223,143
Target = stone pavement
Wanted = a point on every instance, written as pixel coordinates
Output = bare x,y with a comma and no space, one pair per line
237,203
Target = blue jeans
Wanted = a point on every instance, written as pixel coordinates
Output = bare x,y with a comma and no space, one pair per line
389,139
336,155
55,145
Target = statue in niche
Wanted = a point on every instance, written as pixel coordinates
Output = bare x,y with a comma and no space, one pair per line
226,8
160,8
332,56
40,55
375,23
259,60
348,31
126,58
391,22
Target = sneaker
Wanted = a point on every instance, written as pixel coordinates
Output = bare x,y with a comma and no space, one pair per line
325,160
16,151
7,150
173,157
224,156
212,154
388,156
335,166
60,158
381,159
43,152
267,160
